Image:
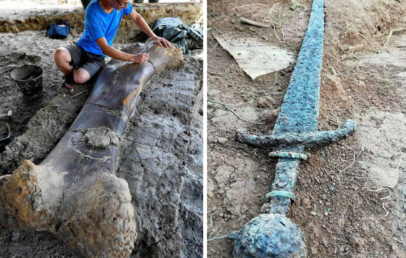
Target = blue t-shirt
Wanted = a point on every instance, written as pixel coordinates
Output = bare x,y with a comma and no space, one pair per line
99,24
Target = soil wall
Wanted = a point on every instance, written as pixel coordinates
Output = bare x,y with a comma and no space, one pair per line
23,20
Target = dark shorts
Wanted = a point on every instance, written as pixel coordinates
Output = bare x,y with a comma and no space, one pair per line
83,59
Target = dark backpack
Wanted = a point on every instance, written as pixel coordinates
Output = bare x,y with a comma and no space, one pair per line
60,30
173,30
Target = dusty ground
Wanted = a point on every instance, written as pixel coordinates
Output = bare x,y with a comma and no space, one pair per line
350,194
170,152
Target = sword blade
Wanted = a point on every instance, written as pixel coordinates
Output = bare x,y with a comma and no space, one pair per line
300,107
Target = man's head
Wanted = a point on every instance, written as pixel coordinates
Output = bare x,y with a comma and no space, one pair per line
120,4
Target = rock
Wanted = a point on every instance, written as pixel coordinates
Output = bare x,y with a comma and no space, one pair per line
266,101
344,48
222,140
213,93
336,91
234,209
270,116
245,98
262,102
316,232
25,26
265,208
306,203
313,250
324,241
101,137
14,29
210,188
33,58
40,20
36,26
7,28
223,173
15,236
356,242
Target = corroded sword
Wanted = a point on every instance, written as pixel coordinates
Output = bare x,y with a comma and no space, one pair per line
273,234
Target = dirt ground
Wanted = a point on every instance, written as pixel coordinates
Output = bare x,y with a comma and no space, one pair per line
350,195
170,118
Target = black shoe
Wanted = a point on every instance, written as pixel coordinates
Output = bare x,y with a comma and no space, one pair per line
68,81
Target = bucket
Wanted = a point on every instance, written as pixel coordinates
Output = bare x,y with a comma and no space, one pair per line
5,137
85,3
28,79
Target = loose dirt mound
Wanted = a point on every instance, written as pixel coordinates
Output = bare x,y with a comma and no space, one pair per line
341,209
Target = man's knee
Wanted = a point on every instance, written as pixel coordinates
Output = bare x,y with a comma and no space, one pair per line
81,76
61,55
80,79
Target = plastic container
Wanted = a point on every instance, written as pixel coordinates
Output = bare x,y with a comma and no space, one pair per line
28,79
5,137
85,3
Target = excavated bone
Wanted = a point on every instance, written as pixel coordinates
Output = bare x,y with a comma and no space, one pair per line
74,192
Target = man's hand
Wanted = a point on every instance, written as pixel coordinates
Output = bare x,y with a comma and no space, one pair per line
160,41
140,59
142,24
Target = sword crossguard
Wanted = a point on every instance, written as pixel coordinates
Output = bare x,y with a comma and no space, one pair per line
295,139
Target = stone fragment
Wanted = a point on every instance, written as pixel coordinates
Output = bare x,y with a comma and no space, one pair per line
222,140
223,174
270,116
213,93
306,203
14,29
266,101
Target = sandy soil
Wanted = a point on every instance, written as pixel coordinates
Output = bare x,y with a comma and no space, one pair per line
350,195
170,114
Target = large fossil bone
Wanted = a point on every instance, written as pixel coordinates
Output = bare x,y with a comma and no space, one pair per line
74,192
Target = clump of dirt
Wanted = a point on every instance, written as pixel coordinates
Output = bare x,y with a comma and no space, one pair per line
342,210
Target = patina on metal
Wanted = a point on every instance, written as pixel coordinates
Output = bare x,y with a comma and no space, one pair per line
273,234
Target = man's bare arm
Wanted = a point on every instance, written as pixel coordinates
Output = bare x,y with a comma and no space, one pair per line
119,55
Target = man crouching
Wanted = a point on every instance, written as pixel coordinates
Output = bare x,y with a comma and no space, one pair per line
102,19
